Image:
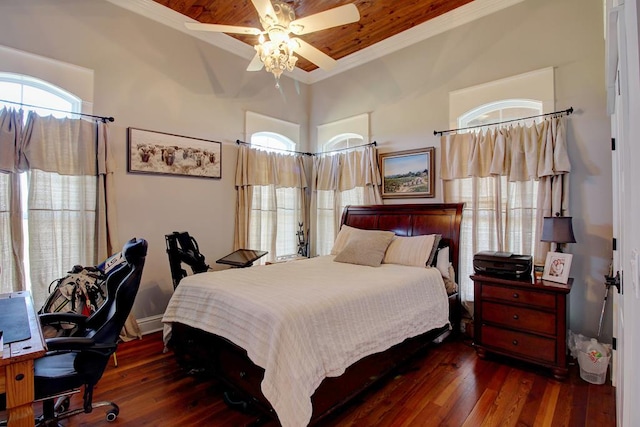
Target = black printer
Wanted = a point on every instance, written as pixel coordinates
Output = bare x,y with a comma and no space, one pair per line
502,264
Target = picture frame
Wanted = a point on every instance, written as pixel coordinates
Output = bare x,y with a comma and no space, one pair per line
557,267
151,152
408,174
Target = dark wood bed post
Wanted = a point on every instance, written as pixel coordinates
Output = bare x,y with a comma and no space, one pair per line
196,349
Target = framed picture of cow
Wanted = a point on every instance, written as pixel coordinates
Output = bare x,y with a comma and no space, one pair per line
169,154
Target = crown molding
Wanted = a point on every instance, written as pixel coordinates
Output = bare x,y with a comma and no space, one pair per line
460,16
457,17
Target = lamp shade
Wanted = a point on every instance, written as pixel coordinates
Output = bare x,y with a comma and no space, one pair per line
558,229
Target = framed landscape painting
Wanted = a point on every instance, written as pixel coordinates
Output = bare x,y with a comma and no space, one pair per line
408,174
168,154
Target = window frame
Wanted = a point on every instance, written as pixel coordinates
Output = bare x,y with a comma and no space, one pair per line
69,82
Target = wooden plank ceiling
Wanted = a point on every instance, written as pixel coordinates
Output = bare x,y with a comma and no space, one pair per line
379,19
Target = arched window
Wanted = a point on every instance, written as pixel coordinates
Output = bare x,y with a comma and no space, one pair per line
29,94
285,205
332,138
29,90
343,141
272,140
500,111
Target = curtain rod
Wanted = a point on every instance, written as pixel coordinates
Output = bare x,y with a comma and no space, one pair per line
374,143
558,113
103,118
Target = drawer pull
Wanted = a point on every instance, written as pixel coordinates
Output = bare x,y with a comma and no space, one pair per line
516,317
514,342
515,295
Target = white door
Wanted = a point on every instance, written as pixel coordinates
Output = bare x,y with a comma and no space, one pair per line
617,367
623,85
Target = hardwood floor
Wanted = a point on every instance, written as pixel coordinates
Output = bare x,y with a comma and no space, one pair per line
448,385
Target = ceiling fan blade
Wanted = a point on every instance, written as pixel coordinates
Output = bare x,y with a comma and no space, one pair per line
255,64
265,8
218,28
314,55
335,17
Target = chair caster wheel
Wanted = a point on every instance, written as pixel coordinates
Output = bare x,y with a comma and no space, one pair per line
65,404
112,415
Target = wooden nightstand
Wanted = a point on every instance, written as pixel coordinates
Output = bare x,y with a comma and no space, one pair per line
523,319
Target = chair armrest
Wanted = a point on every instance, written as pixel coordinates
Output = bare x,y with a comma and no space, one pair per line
50,318
69,343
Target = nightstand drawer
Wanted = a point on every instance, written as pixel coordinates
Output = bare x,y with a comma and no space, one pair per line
518,343
521,318
518,295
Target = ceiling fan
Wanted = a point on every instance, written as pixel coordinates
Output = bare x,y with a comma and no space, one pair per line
276,48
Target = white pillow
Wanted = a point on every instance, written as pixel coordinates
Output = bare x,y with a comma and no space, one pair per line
412,251
366,247
443,263
342,239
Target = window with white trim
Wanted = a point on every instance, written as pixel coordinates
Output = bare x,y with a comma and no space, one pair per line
339,135
524,95
31,94
279,206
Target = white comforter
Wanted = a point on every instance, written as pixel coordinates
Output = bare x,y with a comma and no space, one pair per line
306,320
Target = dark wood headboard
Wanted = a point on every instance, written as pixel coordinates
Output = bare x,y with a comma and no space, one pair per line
411,220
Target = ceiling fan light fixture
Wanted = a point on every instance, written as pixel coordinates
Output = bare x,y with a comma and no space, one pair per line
277,57
278,34
275,48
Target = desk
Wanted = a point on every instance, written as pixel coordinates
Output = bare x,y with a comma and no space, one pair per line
16,368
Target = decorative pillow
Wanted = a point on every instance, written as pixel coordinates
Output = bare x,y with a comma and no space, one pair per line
442,262
342,238
434,250
366,247
412,251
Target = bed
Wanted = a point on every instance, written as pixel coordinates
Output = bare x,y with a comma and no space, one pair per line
299,349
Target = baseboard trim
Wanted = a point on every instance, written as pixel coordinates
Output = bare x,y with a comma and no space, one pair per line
151,324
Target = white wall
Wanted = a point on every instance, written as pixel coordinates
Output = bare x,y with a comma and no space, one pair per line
151,77
407,95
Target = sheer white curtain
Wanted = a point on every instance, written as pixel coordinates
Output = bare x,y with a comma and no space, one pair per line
271,196
338,180
509,180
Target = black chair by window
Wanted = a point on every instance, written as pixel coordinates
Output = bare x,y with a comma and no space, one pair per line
79,324
80,360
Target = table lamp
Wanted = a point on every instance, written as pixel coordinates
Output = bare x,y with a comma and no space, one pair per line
558,229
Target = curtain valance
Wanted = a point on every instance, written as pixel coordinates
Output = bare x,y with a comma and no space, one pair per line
64,146
258,167
51,145
346,171
520,153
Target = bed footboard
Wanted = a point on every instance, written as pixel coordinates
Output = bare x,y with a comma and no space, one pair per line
214,356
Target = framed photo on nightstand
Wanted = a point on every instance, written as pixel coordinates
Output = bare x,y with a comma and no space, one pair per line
557,266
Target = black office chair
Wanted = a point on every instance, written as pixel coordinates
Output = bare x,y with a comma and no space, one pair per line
80,360
79,324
